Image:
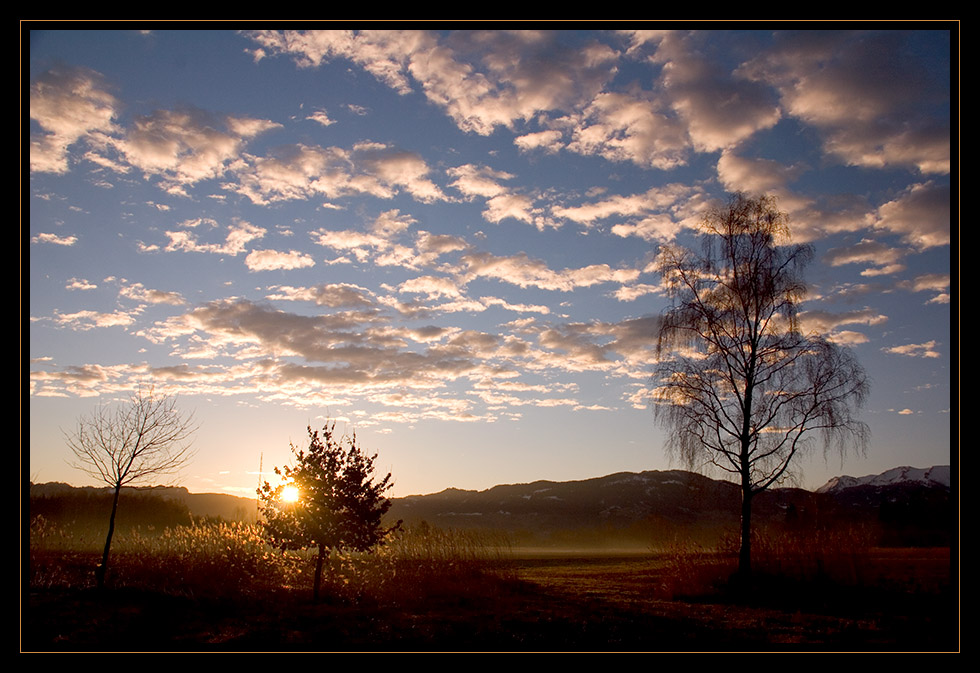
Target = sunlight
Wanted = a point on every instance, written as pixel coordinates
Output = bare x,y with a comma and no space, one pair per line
289,494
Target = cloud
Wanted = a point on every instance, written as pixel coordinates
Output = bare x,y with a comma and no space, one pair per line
429,247
921,215
825,322
625,348
756,175
302,172
632,292
378,51
885,259
847,338
657,214
473,180
926,282
379,242
86,320
54,238
395,168
342,349
655,200
70,105
269,260
84,381
431,286
520,308
930,282
138,292
523,271
874,102
481,79
359,354
333,295
547,141
187,145
721,108
239,235
630,127
501,202
320,117
923,350
517,206
182,146
80,284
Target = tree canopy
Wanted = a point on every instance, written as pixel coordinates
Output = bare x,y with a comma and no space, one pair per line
741,386
336,504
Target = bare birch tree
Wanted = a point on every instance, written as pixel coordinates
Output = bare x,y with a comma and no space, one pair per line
740,386
144,438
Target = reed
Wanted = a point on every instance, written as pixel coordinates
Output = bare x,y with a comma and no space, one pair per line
217,559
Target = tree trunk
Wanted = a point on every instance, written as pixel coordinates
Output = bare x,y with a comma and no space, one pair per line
745,550
101,570
320,556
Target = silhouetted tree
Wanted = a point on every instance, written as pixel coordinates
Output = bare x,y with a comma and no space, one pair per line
337,503
127,445
741,387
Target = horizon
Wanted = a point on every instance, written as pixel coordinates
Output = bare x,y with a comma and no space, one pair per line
522,483
444,240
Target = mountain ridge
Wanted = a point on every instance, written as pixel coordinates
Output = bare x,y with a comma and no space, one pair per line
937,474
636,507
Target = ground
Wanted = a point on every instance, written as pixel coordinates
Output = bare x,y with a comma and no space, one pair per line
554,602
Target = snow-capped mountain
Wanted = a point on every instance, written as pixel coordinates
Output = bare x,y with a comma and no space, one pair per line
937,475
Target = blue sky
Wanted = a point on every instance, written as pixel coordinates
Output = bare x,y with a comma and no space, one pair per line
446,240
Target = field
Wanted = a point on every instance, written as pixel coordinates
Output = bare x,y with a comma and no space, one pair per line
217,587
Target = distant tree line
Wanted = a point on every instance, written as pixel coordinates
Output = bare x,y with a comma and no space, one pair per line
84,510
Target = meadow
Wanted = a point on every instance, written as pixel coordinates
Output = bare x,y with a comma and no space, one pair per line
217,586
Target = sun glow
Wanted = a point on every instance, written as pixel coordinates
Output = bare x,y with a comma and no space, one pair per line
289,494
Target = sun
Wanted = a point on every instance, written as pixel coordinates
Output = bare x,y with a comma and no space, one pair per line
289,494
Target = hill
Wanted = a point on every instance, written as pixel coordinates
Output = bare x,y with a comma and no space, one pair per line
907,506
647,507
228,507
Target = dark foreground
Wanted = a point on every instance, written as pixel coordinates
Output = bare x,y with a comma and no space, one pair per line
555,603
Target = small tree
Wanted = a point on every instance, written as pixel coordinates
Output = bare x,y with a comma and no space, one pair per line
335,504
741,387
126,446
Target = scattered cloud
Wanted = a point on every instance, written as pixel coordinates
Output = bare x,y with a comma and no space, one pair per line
879,257
721,108
875,106
320,117
923,350
86,320
921,215
470,220
54,238
137,292
828,323
239,235
523,271
70,105
270,260
80,284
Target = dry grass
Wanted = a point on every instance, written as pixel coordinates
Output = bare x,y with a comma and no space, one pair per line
839,556
219,559
218,585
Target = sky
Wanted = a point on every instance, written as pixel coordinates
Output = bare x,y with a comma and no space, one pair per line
446,240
